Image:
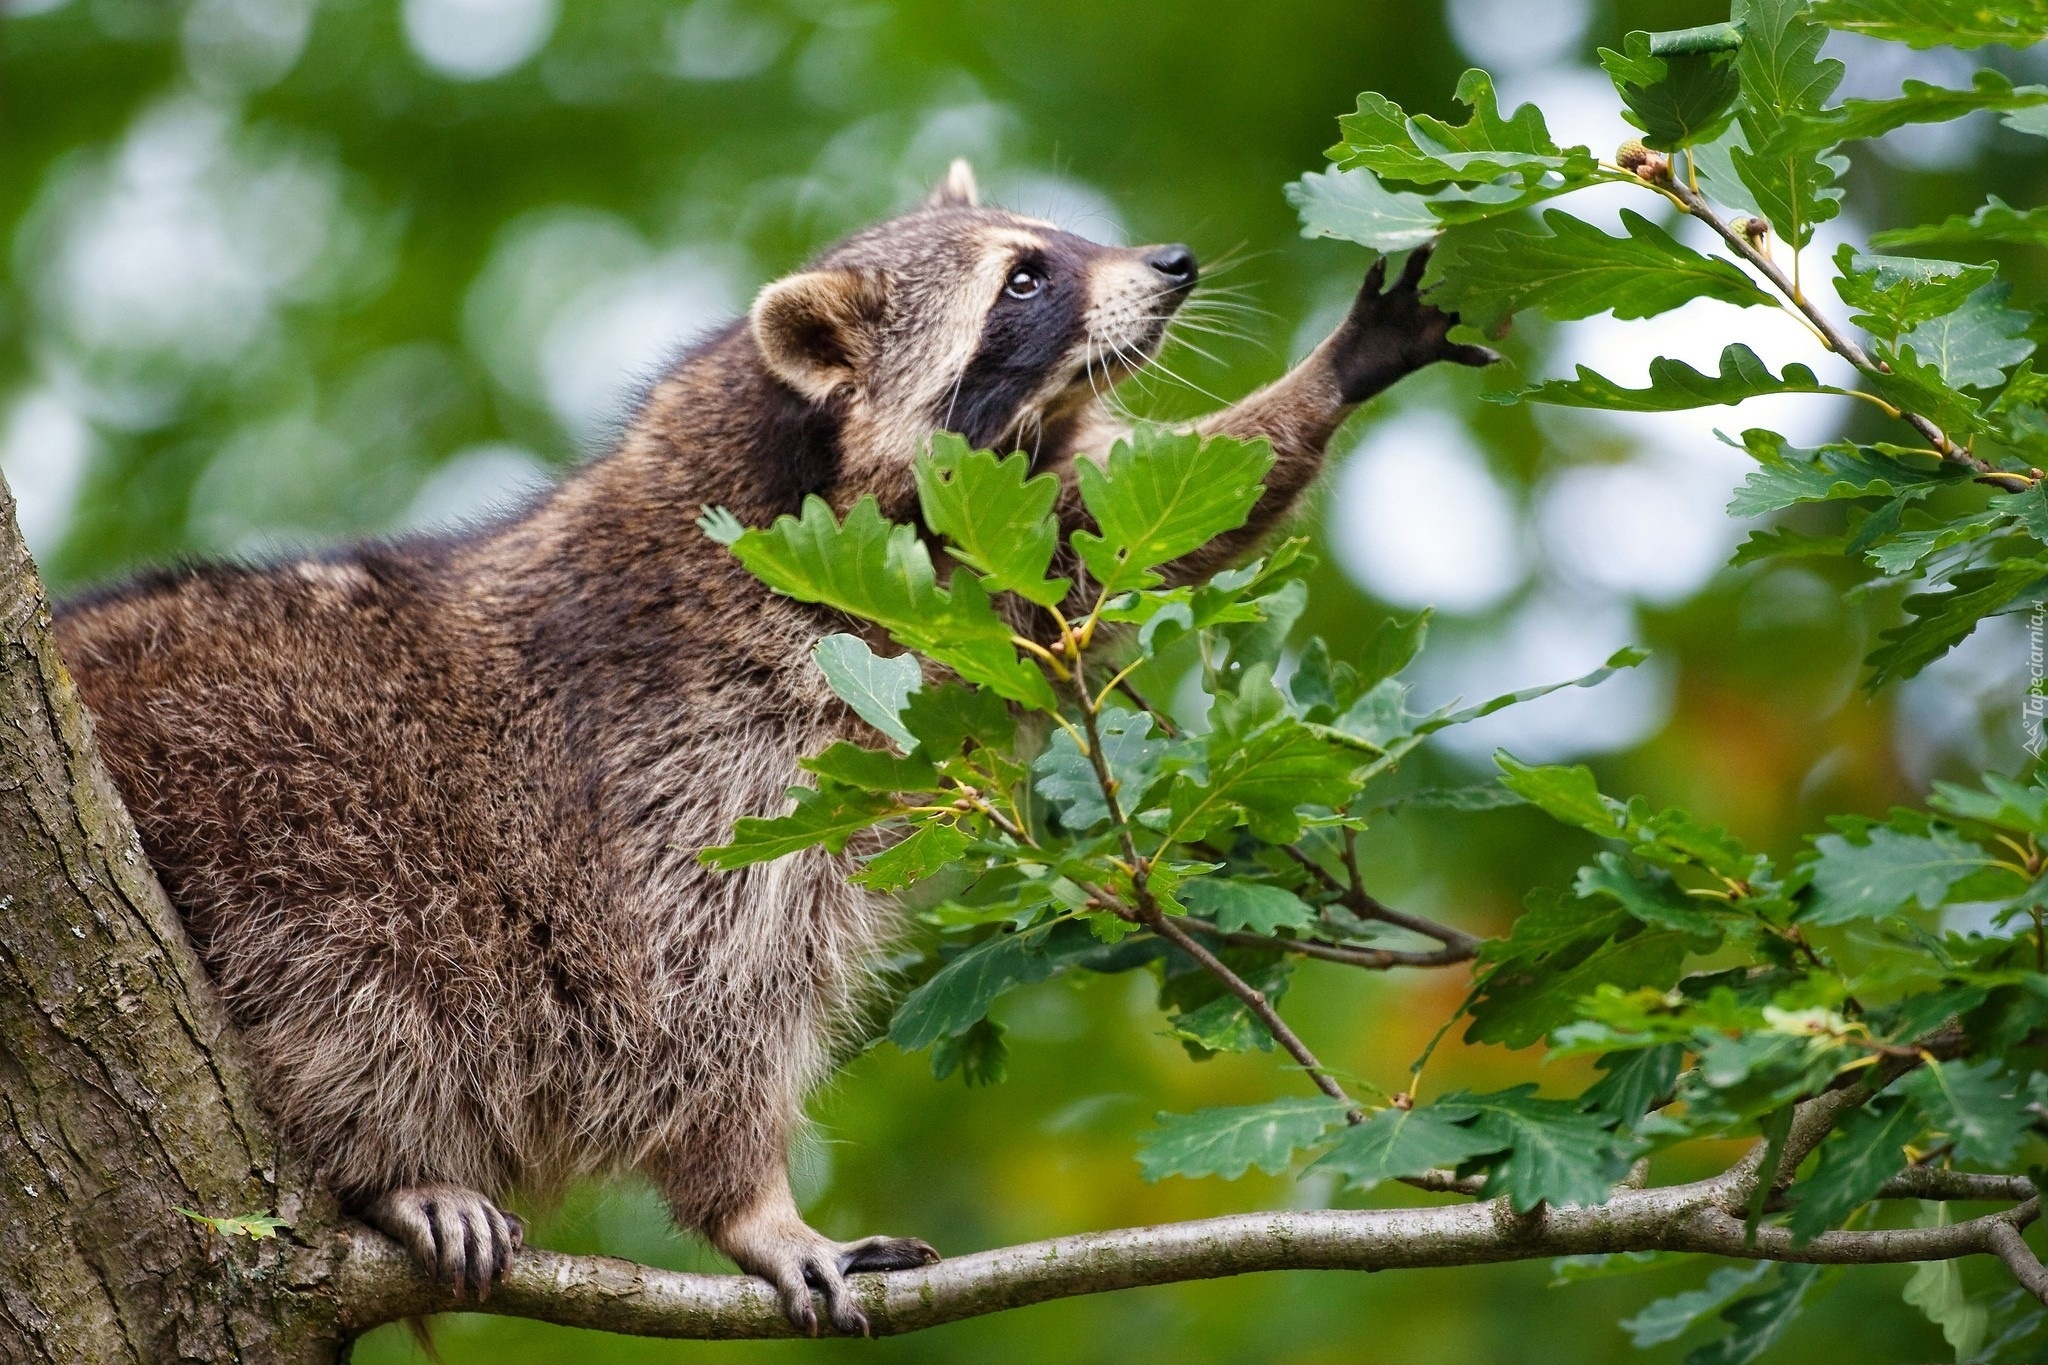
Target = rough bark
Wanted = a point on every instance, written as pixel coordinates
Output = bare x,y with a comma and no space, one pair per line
124,1100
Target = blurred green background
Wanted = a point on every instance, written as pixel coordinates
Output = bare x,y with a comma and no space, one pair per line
279,273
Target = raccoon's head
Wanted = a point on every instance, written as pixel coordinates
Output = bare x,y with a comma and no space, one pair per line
961,318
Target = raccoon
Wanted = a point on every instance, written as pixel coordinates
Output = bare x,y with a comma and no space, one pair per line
431,808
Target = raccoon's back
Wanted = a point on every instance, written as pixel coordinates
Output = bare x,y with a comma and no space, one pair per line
320,766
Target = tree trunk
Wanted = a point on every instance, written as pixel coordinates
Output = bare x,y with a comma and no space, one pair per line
125,1098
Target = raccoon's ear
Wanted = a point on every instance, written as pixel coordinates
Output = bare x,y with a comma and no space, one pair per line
817,330
957,190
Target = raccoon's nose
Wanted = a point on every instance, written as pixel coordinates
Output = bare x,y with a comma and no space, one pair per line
1176,263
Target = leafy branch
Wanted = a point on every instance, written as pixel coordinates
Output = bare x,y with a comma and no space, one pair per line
1817,1006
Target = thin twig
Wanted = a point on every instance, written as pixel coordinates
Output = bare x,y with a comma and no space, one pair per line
1254,1000
1838,341
1368,906
1166,725
1314,869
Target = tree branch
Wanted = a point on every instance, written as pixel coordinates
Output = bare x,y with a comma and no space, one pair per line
383,1284
1932,1182
2005,1241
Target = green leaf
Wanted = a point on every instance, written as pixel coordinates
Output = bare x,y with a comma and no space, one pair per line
998,521
1384,140
882,572
1570,795
940,720
1936,1289
1940,621
1778,542
1993,221
1161,495
1578,271
1524,998
1791,177
875,770
1866,1149
1677,92
2029,509
1975,1105
1911,385
1227,1142
1391,647
1355,207
1973,346
1566,1270
931,849
1919,102
1634,1081
1466,799
1895,294
1650,895
1670,837
1888,872
1899,553
1213,1020
1756,1322
1668,1319
257,1227
1626,657
1552,1153
1263,640
1780,44
1067,778
1397,1143
876,688
2003,802
980,1055
1674,386
959,994
1786,475
1262,772
1939,23
829,816
1237,906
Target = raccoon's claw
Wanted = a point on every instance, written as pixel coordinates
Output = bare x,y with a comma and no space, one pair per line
884,1254
1394,331
462,1239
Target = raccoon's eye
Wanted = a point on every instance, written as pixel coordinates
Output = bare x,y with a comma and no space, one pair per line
1024,283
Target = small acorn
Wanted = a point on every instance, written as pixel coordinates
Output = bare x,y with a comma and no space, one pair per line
1753,230
1642,162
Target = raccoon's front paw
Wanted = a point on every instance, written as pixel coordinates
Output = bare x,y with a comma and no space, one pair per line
461,1238
1392,332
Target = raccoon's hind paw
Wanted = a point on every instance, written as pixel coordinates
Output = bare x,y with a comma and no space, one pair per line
1394,331
461,1238
799,1261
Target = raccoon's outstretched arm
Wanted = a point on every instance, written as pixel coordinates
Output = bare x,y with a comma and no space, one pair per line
1390,333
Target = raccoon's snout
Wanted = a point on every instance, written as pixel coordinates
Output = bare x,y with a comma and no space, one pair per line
1176,264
